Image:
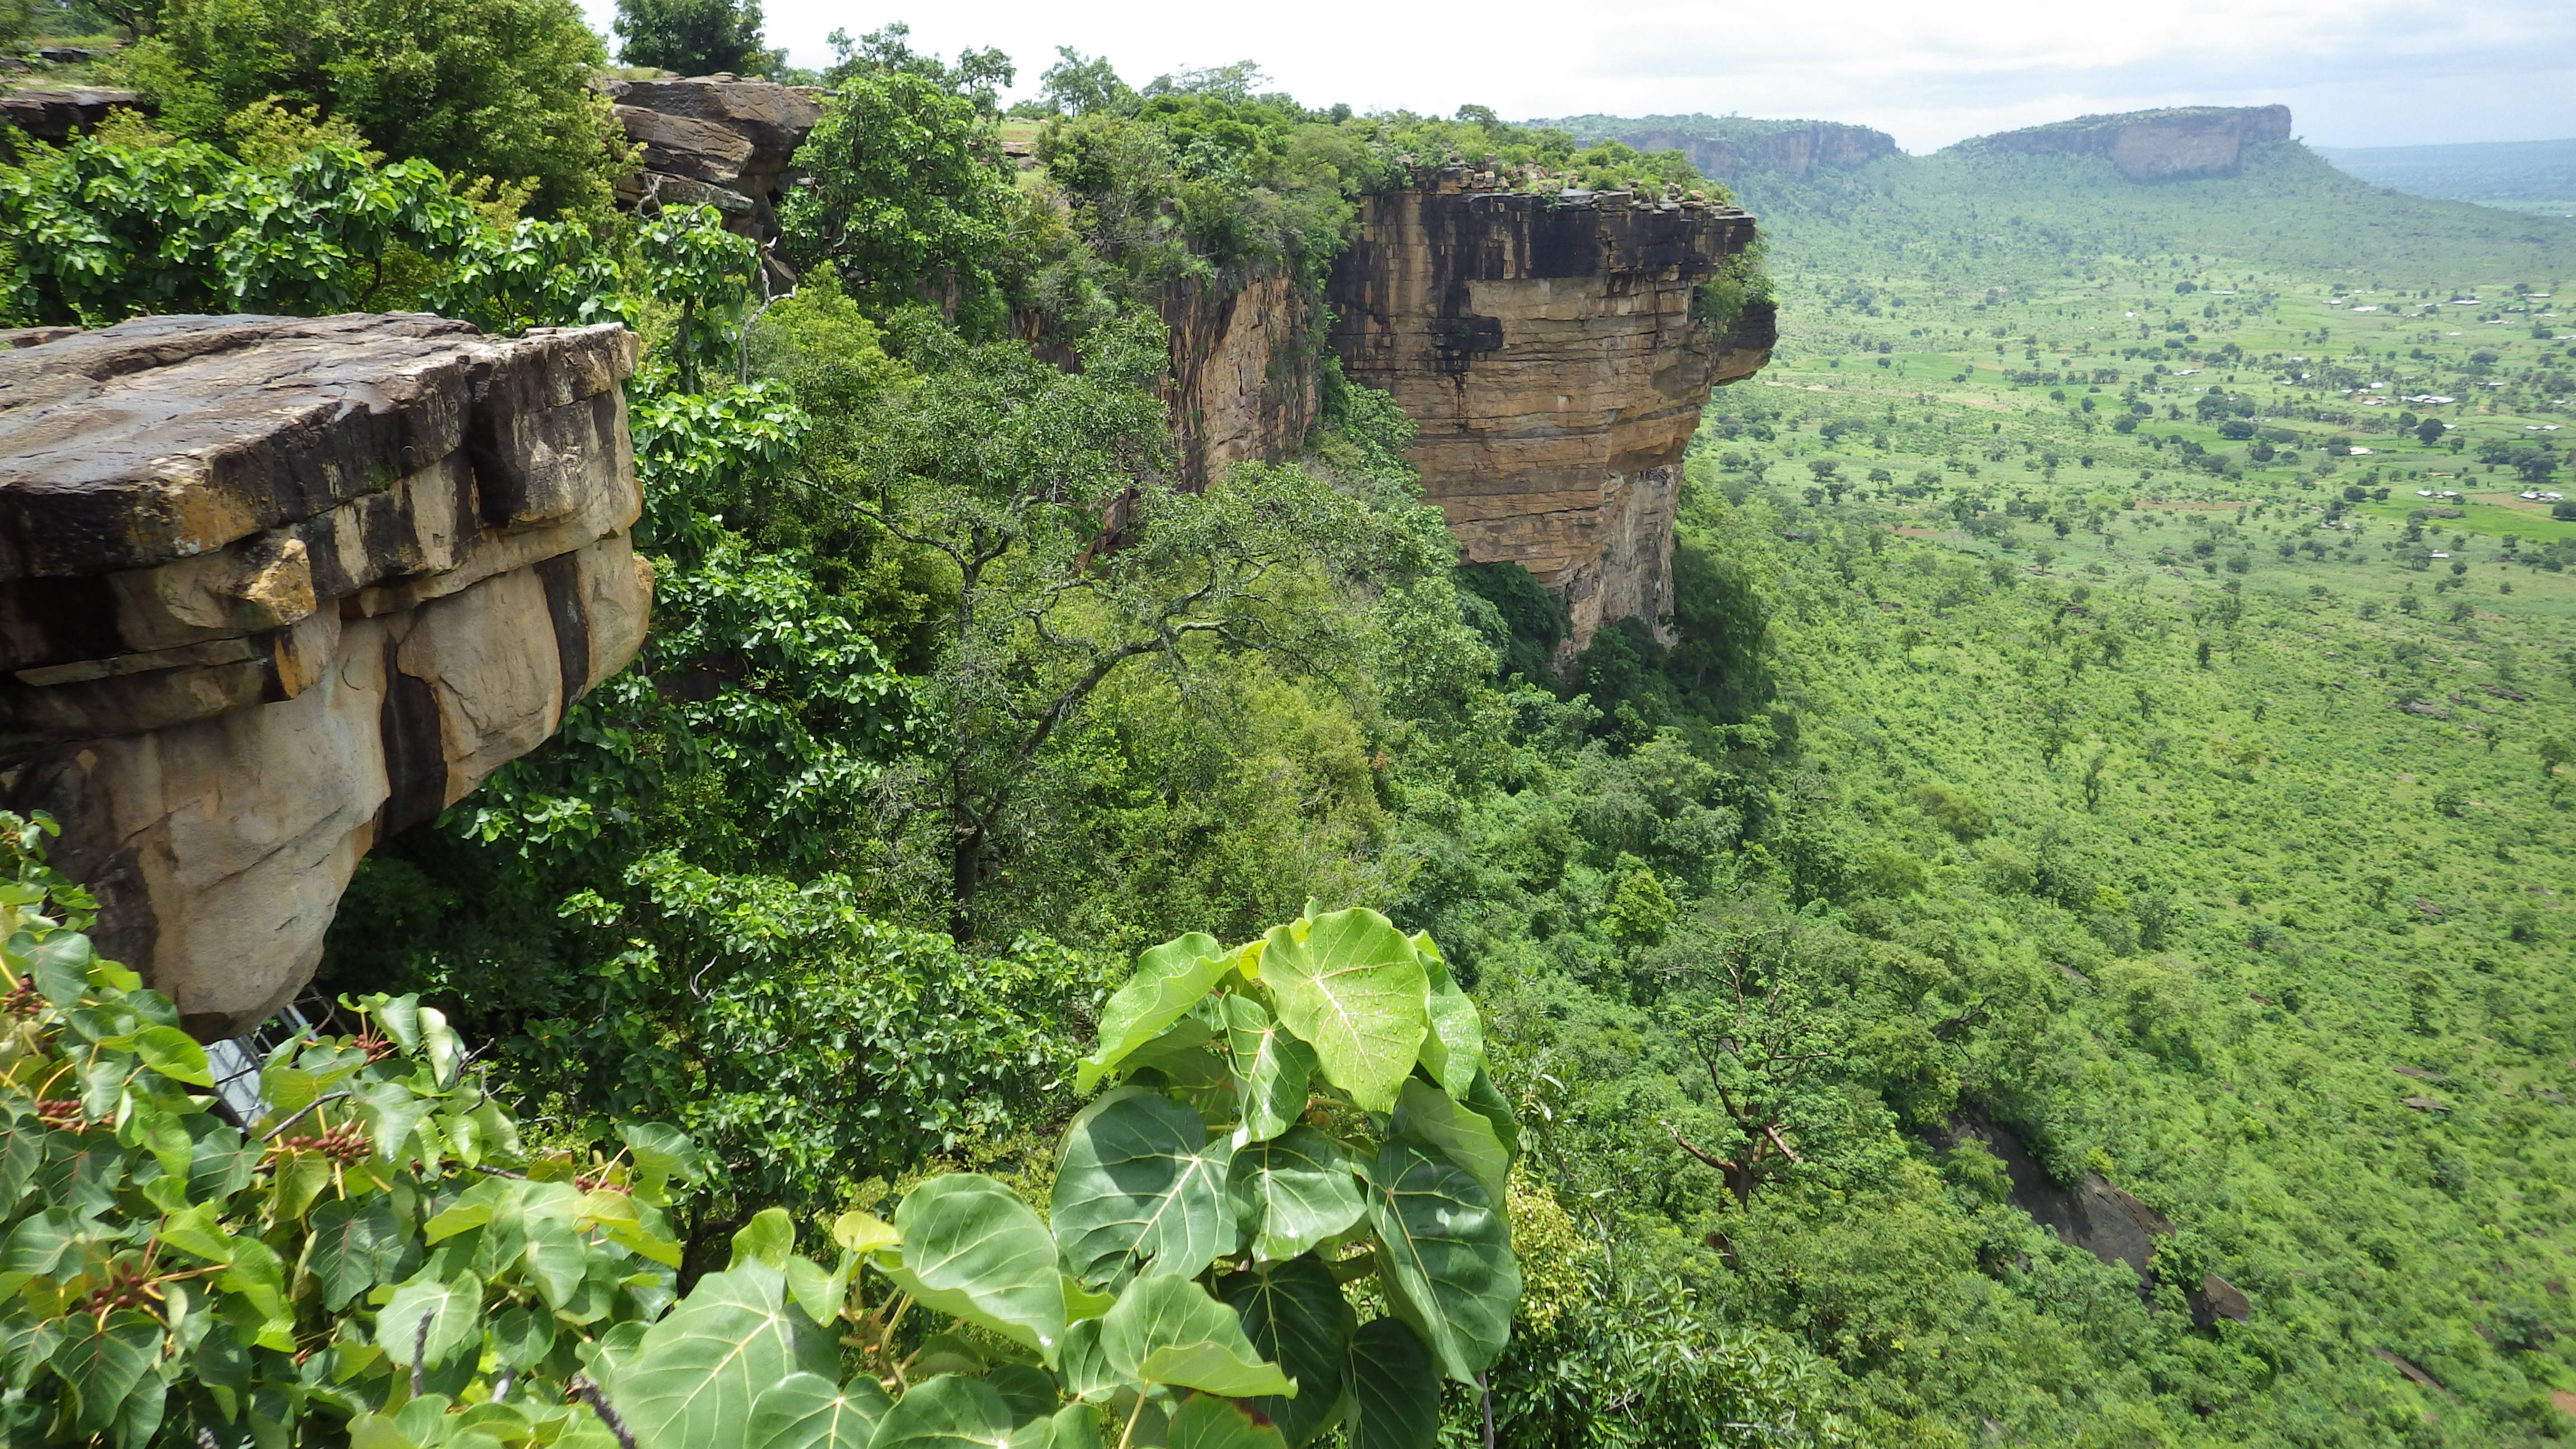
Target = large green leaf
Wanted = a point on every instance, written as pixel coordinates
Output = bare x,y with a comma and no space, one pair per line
1394,1398
1165,1329
1141,1183
356,1244
1430,1116
1208,1422
950,1411
973,1251
104,1361
1075,1426
1447,1255
1169,980
1355,991
425,1317
1272,1068
1294,1191
697,1375
174,1054
1294,1314
809,1411
1455,1050
1487,1101
1083,1365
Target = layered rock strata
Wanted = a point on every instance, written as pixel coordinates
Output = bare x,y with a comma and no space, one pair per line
1547,351
2168,145
272,589
715,141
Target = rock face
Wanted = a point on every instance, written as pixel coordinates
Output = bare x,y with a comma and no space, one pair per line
2171,145
58,115
1723,149
274,588
2093,1215
1242,379
1546,350
715,141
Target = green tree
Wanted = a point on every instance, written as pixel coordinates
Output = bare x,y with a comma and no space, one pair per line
1076,86
493,89
1018,475
694,37
909,196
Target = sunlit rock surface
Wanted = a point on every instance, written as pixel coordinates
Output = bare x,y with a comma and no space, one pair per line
274,588
1547,351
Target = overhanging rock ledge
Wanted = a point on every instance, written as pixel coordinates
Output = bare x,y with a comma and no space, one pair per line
273,588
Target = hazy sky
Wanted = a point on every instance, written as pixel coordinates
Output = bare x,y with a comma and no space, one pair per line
2354,72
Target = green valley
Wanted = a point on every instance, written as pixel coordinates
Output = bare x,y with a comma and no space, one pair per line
1135,769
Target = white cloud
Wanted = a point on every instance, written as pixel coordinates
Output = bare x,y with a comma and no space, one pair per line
2358,72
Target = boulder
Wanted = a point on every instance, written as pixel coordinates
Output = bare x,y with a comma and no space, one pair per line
272,589
715,140
2092,1214
2216,1298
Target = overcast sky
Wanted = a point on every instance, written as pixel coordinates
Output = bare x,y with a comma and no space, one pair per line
2354,72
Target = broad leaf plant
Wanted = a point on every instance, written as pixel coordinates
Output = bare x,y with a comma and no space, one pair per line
1294,1127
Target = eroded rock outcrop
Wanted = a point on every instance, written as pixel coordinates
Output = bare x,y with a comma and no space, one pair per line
715,141
1547,350
273,588
59,115
2168,145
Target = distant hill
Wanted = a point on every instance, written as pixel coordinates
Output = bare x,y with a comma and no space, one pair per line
1726,147
2482,171
2167,145
2211,181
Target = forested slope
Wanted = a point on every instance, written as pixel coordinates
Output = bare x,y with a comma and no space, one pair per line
2177,801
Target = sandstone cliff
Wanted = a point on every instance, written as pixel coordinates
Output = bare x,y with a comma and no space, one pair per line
1545,347
274,588
2169,145
1242,379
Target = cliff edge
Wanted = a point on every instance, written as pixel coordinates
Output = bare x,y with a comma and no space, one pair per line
274,588
1547,350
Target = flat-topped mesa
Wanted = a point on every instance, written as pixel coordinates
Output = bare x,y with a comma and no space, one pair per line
2169,145
1734,148
716,141
1547,350
273,588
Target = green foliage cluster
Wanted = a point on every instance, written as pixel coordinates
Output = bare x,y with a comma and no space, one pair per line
495,90
130,221
695,37
379,1255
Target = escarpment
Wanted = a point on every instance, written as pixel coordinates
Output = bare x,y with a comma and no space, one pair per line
2168,145
1726,148
272,589
1548,351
